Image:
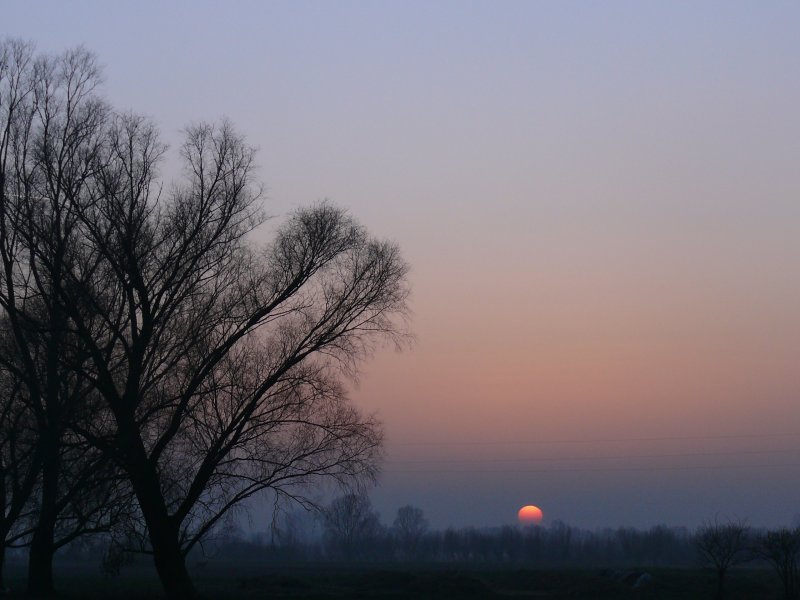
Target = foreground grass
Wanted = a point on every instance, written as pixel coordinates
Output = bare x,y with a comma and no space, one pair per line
239,581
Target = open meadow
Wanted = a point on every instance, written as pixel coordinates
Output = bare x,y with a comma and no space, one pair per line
237,580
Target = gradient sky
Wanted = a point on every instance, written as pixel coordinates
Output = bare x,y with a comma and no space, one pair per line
600,203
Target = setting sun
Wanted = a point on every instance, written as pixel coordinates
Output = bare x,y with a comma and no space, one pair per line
530,515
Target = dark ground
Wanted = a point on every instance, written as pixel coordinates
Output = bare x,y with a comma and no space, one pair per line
238,580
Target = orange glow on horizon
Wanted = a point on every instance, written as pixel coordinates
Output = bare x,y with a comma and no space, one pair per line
530,515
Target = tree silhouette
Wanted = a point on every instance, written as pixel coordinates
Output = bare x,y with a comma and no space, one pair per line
210,367
350,526
408,528
781,548
722,545
51,130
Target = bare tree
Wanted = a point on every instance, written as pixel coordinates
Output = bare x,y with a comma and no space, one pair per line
350,525
410,525
220,366
52,126
213,366
722,545
19,460
781,549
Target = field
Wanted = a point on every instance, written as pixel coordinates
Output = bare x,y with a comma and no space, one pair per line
328,581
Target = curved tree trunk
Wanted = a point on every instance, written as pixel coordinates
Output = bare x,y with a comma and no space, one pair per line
171,564
163,531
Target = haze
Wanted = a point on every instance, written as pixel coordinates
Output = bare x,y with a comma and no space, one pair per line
600,204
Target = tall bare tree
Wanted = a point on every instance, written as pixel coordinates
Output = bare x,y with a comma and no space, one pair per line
19,457
213,365
53,126
219,362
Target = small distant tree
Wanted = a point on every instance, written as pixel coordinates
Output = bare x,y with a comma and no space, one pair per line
781,549
113,559
289,533
560,538
722,546
350,525
409,526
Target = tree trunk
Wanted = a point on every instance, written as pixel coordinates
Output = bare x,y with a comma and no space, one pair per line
40,558
162,530
2,565
40,562
720,585
4,528
170,563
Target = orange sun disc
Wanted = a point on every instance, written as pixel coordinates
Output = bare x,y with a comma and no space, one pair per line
530,515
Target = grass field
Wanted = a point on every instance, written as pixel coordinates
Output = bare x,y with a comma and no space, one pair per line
327,581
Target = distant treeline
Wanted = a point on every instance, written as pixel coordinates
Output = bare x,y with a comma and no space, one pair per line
349,530
554,545
352,531
557,544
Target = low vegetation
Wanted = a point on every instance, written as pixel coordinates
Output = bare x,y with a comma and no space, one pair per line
347,552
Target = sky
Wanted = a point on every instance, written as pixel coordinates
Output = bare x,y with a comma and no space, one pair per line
600,204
